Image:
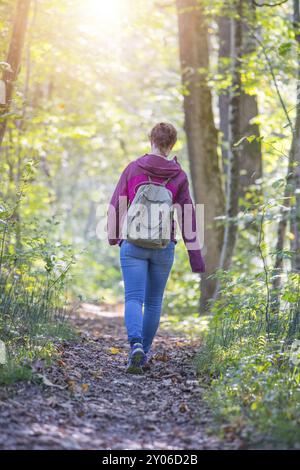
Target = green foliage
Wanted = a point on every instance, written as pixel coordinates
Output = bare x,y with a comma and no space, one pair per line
13,372
32,305
254,385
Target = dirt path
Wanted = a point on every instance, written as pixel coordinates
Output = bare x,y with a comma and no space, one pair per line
86,401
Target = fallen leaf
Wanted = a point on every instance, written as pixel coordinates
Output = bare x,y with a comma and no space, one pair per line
61,363
71,384
183,408
114,350
85,387
163,357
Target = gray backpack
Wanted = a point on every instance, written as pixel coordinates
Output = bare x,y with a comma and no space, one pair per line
149,218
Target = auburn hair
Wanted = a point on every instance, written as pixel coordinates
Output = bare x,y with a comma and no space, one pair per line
163,135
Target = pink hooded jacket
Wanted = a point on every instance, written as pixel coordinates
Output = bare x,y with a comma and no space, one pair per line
137,173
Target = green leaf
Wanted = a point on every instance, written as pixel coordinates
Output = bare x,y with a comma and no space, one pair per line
5,116
285,47
249,138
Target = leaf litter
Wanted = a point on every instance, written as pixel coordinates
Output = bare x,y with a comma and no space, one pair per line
85,399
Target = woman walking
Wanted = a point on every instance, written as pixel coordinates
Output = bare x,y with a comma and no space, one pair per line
146,263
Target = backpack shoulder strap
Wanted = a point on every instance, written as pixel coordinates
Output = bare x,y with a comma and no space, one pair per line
164,183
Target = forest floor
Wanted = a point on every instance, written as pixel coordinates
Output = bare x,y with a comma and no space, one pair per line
85,400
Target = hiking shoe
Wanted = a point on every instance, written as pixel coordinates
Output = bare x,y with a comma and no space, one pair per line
136,359
147,360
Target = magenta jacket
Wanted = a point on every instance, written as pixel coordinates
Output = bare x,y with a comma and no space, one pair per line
137,173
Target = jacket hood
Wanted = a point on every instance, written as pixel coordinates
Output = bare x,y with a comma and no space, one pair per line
154,165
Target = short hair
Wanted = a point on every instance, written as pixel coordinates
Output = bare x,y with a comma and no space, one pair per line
163,135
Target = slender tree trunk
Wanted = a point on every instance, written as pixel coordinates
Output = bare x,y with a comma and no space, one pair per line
201,134
292,186
14,58
281,229
232,187
251,156
224,53
295,220
295,213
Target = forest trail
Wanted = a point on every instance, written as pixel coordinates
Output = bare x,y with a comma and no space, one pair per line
85,400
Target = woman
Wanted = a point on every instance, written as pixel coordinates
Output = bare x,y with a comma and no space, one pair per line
146,270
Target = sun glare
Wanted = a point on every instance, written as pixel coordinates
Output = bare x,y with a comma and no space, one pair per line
106,12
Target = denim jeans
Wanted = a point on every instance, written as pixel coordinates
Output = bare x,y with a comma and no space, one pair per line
145,274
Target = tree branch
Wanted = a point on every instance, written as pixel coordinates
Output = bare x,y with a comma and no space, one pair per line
269,4
270,65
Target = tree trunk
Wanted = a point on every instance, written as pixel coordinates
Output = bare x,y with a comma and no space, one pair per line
295,220
292,186
14,58
201,134
224,53
232,186
251,156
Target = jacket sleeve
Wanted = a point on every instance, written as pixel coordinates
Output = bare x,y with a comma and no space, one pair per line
187,222
117,209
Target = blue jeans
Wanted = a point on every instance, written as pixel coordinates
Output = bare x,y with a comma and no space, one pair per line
145,274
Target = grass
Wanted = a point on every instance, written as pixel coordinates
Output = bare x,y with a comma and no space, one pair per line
33,313
32,319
